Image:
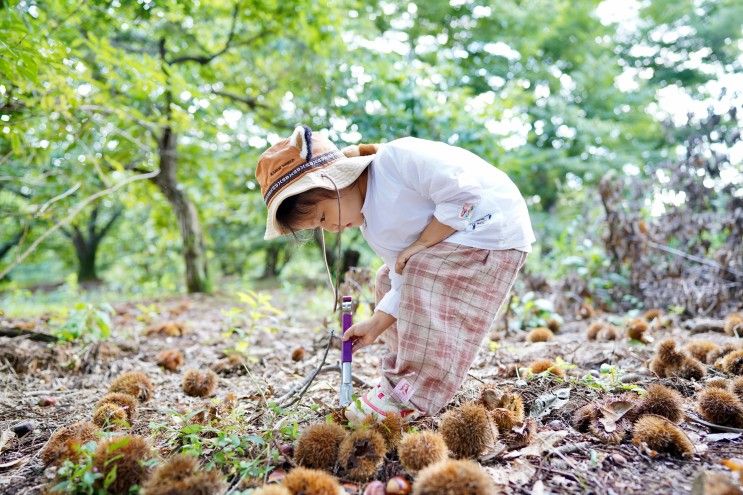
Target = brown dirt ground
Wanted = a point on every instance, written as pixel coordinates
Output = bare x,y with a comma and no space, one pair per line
77,376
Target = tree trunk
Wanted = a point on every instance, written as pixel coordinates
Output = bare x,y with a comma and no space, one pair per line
350,257
7,246
194,254
272,262
86,246
86,251
277,256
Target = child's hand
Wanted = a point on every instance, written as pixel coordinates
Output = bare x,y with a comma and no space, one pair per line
364,333
404,256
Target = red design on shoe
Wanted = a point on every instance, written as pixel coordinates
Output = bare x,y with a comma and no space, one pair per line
375,408
380,404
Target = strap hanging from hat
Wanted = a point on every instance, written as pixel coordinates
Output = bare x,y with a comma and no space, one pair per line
334,288
304,134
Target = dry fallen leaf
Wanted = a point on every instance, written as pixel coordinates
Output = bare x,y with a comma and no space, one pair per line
544,442
550,401
493,451
5,438
517,472
612,413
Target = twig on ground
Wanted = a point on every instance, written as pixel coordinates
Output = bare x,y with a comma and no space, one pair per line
728,429
476,377
572,447
29,334
575,468
295,391
702,325
564,473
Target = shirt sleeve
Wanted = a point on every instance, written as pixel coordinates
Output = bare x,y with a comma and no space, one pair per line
439,172
390,302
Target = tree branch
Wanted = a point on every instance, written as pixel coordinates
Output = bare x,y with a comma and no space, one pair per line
206,59
92,220
149,127
102,232
122,41
7,246
73,213
250,101
258,36
57,198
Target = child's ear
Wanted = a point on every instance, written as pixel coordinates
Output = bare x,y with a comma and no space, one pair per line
302,140
368,149
360,149
350,151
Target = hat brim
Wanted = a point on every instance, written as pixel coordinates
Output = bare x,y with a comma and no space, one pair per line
342,172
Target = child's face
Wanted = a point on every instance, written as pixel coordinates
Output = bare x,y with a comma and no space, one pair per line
326,213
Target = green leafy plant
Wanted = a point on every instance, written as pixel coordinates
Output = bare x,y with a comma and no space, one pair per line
256,309
86,322
531,311
78,477
147,312
609,380
275,408
259,305
242,321
290,431
228,444
234,320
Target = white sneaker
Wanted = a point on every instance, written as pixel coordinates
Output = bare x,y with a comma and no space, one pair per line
378,403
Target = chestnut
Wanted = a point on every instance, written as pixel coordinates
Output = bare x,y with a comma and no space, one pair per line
398,486
374,488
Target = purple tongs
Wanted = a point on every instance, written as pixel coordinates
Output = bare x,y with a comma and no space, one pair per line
346,383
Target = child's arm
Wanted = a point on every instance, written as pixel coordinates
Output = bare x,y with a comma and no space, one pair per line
434,233
366,332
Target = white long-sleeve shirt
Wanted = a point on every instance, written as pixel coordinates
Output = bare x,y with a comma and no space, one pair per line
412,180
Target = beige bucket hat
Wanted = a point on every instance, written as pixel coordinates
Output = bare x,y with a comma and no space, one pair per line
299,163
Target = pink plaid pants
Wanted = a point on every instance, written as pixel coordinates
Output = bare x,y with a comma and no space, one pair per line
449,298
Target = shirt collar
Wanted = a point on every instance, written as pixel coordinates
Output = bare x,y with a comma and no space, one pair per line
366,206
